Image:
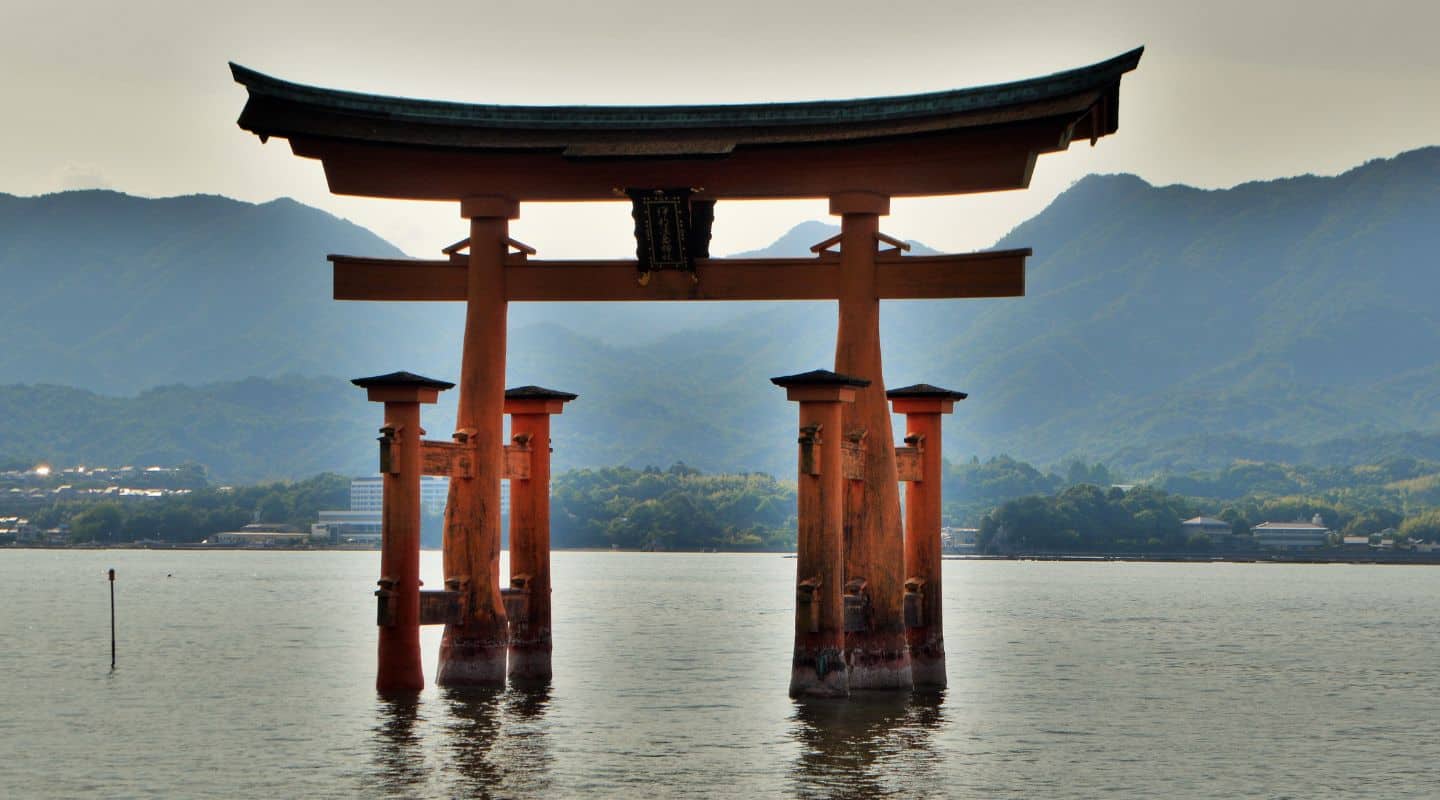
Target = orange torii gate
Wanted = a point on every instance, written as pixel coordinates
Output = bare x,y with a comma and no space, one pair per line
856,153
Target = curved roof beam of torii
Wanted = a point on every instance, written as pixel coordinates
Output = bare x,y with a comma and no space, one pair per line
950,142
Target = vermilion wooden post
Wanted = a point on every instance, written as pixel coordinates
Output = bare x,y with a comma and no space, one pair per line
922,405
530,408
473,653
874,544
818,667
398,667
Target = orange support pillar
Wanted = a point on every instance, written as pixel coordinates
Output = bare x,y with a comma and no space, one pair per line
530,408
874,543
818,667
922,405
402,393
472,653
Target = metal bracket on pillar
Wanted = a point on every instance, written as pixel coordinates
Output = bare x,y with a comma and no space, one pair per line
852,452
907,458
857,606
809,442
914,602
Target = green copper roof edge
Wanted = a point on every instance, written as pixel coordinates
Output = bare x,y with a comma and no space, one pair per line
873,109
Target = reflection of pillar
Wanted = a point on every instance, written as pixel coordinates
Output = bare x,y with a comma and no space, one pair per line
398,667
922,405
530,408
818,667
473,653
857,748
874,545
399,747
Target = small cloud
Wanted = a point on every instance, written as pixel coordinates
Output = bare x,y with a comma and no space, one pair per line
81,176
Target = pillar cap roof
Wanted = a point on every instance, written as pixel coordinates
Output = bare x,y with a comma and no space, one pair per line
402,379
925,390
538,393
818,377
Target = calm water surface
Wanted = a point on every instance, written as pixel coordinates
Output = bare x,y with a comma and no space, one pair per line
249,674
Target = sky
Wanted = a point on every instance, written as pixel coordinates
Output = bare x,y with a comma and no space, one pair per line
137,97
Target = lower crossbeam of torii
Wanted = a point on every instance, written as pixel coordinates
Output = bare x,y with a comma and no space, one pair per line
868,581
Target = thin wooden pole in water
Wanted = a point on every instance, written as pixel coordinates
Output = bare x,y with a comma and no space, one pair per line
112,618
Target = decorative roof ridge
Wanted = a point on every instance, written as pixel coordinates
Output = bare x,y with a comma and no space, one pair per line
402,378
925,390
848,111
531,392
819,377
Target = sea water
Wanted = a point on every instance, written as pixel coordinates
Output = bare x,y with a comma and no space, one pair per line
249,674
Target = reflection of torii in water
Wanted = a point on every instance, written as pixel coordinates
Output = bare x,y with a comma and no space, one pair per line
856,153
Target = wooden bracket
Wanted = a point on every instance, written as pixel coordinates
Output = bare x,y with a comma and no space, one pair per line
896,245
517,601
823,248
389,461
517,459
907,458
511,244
807,600
442,607
857,606
914,606
452,459
809,440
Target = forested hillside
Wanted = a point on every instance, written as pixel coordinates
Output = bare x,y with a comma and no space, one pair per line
1165,329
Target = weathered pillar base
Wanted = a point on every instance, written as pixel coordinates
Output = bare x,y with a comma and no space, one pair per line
468,659
399,661
927,667
874,667
530,662
820,674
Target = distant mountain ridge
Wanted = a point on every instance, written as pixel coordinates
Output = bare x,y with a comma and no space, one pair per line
1163,328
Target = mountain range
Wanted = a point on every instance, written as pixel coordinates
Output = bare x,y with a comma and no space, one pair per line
1164,328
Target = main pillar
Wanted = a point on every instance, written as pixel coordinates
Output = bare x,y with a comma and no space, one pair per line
922,406
398,667
472,653
530,408
874,546
818,667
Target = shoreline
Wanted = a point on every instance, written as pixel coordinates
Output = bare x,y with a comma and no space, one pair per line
1157,558
1235,558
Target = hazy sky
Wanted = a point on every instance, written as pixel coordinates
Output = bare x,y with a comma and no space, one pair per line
136,96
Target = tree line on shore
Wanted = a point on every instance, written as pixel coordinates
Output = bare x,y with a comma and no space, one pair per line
1016,506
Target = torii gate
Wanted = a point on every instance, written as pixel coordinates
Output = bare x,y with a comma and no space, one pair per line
856,153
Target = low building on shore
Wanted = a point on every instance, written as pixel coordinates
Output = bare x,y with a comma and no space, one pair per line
262,535
347,527
958,540
1218,531
1311,535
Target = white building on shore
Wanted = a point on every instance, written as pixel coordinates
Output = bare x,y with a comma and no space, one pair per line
1310,535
